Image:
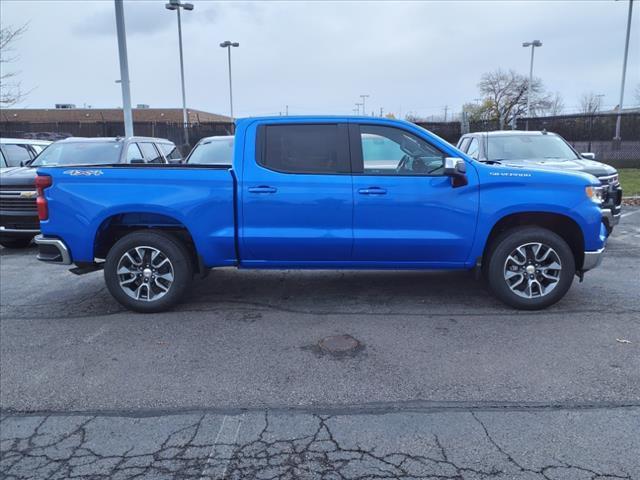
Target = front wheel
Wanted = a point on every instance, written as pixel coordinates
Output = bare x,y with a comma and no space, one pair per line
148,271
530,268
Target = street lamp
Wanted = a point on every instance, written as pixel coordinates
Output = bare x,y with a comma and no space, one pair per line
228,46
177,5
533,45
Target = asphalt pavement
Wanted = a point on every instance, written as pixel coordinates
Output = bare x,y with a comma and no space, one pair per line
443,381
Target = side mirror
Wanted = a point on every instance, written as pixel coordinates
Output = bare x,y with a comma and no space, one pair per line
588,155
457,170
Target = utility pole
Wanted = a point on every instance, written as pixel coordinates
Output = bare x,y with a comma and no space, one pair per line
624,72
124,69
358,107
446,109
381,111
286,110
364,98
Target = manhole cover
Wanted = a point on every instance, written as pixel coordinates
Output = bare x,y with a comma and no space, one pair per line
339,344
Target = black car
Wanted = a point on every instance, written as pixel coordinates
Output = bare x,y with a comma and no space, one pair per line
545,150
18,213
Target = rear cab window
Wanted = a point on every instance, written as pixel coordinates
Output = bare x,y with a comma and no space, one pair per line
304,148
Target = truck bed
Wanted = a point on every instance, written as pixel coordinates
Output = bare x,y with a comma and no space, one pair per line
199,198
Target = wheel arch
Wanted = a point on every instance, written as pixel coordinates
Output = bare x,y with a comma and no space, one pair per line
562,225
116,226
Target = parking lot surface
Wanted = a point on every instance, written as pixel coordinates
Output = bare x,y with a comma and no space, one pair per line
438,377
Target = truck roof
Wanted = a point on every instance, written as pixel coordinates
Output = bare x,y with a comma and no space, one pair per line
507,133
23,141
113,139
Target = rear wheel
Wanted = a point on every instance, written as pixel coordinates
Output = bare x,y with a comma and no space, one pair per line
148,271
22,242
530,268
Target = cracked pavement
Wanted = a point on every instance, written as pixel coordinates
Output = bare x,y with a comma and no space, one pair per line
446,382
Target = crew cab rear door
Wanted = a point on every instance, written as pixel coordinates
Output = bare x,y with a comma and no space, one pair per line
406,212
296,195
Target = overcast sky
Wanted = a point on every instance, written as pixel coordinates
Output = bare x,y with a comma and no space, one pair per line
318,57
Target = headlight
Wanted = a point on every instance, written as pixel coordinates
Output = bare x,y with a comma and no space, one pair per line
595,194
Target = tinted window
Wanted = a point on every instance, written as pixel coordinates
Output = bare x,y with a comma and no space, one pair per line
170,151
134,153
473,148
392,151
15,154
522,147
217,151
305,148
80,153
151,155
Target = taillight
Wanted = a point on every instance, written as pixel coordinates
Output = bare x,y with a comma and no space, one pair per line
42,182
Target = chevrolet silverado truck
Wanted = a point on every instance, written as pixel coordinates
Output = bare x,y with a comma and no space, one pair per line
323,193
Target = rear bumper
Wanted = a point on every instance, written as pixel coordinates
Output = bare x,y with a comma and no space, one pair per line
592,259
52,250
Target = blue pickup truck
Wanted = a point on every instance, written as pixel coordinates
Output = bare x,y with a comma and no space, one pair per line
323,193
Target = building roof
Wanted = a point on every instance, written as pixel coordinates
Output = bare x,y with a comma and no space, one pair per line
92,115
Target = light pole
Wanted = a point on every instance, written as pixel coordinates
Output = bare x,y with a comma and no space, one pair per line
177,5
364,97
624,72
124,69
358,107
228,46
533,45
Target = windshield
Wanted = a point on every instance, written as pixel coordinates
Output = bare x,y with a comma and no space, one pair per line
79,153
523,147
217,151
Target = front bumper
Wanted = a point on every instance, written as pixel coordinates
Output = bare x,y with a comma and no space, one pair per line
611,217
52,250
592,259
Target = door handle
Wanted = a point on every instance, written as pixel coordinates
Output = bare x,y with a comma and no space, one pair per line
263,189
372,191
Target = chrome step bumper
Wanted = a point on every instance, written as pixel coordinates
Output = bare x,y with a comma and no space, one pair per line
52,250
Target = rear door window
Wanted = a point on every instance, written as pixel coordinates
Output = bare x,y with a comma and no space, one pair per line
16,154
150,152
308,148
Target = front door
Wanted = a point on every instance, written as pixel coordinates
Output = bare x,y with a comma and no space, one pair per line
297,204
406,212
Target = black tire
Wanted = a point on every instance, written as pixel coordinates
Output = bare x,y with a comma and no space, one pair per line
22,242
505,244
179,260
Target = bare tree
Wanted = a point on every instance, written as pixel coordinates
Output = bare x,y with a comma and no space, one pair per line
554,107
505,96
10,88
590,103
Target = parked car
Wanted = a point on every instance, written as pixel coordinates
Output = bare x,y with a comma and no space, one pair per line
15,152
212,151
317,192
18,212
545,150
